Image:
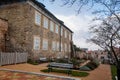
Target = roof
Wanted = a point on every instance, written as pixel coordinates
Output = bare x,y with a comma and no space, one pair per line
42,6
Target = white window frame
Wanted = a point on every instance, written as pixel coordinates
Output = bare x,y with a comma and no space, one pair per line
51,26
65,47
57,46
45,44
54,45
57,29
36,45
37,18
61,46
70,36
61,31
65,34
69,48
45,22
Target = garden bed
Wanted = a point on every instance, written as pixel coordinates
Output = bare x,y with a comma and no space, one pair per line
73,73
113,71
89,66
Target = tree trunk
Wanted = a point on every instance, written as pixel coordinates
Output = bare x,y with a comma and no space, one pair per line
118,70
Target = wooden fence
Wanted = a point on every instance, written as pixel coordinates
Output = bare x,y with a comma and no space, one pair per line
12,58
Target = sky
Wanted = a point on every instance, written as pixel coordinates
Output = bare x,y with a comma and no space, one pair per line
78,23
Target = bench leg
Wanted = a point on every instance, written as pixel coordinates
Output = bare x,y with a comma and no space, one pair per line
49,69
69,72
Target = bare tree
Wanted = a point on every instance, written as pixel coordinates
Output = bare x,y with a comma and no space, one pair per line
107,34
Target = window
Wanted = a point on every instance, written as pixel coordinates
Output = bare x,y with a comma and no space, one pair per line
65,34
61,31
65,47
69,48
37,18
45,22
57,46
53,45
57,30
45,44
36,43
51,26
69,36
61,47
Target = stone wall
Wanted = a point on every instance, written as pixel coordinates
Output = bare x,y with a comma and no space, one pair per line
3,31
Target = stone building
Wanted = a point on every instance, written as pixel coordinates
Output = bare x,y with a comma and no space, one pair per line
33,29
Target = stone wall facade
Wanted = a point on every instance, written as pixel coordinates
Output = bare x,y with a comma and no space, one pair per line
22,30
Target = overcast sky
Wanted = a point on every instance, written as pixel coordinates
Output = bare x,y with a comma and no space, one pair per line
79,24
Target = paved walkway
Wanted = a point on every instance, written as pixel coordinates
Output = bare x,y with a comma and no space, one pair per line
103,72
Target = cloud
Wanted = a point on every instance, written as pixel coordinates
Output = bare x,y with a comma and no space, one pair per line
80,26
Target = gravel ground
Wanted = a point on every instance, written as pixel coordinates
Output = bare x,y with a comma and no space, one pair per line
103,72
8,75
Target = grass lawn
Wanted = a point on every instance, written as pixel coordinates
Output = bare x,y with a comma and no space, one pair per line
73,73
113,71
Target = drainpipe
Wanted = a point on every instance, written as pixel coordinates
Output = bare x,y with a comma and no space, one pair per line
60,39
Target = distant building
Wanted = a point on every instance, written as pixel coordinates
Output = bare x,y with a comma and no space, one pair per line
117,51
84,49
32,28
100,55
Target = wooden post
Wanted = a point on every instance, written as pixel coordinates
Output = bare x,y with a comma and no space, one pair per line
26,57
15,58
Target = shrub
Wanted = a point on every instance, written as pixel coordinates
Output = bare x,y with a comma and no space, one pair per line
84,68
92,65
61,60
30,61
96,62
79,74
82,61
75,62
113,71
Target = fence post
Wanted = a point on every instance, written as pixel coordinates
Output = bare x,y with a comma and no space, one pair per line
15,58
26,56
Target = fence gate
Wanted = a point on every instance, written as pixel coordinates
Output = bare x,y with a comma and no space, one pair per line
12,58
